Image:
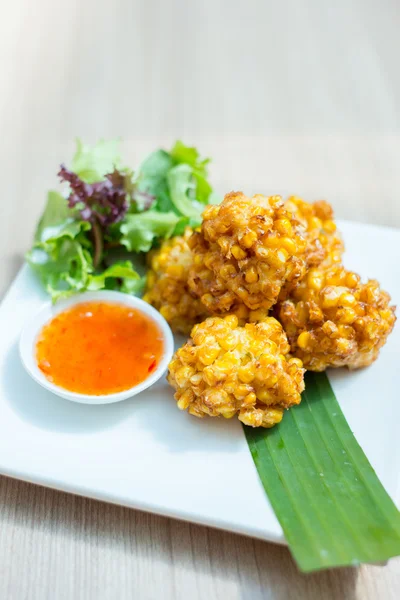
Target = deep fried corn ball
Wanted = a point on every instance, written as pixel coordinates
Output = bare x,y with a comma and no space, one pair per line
225,369
333,320
324,244
245,315
247,250
167,288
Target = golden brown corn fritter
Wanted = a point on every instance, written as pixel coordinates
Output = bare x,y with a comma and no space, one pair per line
247,251
167,284
225,369
250,256
324,244
333,320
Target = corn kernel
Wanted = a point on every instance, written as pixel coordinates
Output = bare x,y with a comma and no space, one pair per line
228,414
303,340
296,361
276,258
267,359
228,271
228,341
284,226
196,379
315,223
270,379
248,239
208,355
265,396
251,275
330,297
272,241
249,400
231,321
346,315
241,391
329,226
347,299
186,398
315,279
282,255
246,374
352,280
289,245
238,252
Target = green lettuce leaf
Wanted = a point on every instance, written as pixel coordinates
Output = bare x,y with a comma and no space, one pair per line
156,165
108,279
58,220
92,163
203,189
182,187
135,287
152,179
187,155
63,265
140,231
163,172
182,154
60,255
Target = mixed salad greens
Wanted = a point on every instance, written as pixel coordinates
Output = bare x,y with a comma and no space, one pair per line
95,232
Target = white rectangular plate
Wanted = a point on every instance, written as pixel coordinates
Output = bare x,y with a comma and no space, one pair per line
146,454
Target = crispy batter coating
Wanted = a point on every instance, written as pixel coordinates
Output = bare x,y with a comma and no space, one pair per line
333,320
225,369
167,288
247,251
324,243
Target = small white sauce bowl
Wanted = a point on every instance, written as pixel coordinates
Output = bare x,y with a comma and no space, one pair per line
31,331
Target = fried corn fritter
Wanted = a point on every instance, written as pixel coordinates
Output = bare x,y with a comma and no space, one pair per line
167,285
324,244
333,320
247,251
225,369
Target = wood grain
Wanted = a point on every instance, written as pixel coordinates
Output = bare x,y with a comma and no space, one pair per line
296,96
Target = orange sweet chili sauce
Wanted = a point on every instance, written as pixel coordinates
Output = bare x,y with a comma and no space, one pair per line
99,348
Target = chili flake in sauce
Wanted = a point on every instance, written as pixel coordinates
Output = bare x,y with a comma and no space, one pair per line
99,348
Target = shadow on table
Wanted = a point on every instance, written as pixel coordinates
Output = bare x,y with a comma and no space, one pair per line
178,430
50,412
153,411
175,555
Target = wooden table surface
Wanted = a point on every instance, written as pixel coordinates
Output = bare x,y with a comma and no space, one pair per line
296,96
